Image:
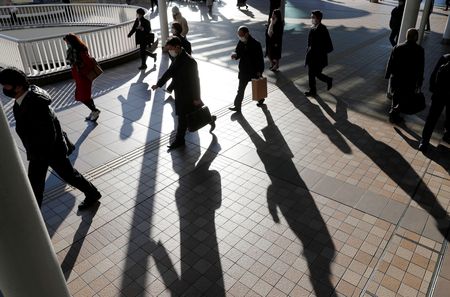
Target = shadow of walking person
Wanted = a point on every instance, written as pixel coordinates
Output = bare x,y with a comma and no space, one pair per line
198,196
392,163
298,207
78,240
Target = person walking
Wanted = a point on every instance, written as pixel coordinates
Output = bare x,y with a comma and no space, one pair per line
274,39
396,21
177,17
405,70
142,29
251,64
319,46
185,80
439,79
40,131
81,64
209,4
176,30
447,4
153,3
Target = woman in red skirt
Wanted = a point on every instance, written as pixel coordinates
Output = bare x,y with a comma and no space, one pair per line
82,64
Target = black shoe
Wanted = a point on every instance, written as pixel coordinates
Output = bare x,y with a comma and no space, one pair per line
142,67
213,123
260,103
89,201
423,147
329,84
310,93
175,145
395,119
234,108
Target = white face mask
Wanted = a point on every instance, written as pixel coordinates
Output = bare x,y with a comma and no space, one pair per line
243,39
173,31
314,22
173,53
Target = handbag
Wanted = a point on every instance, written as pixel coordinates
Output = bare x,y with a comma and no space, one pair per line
198,118
150,38
95,72
410,102
259,88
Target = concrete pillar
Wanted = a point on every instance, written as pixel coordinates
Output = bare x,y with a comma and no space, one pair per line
409,19
162,10
28,264
446,37
423,20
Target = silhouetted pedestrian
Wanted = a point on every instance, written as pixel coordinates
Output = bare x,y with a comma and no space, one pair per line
319,46
405,70
40,131
396,21
142,29
251,64
439,86
81,65
274,39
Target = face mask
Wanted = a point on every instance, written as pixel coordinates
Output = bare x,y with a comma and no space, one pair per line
243,39
173,53
174,32
10,93
314,22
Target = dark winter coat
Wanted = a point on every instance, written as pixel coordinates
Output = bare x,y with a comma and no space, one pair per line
142,36
38,127
185,81
251,59
319,46
82,64
274,43
441,84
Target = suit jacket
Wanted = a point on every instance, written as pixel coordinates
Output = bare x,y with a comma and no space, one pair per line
38,127
251,60
434,87
141,35
185,81
405,66
319,45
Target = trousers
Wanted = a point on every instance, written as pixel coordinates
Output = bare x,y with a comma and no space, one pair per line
438,103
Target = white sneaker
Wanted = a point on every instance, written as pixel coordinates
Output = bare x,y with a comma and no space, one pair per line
94,115
89,117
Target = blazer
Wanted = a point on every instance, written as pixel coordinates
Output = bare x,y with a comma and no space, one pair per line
251,60
141,35
38,127
319,45
185,81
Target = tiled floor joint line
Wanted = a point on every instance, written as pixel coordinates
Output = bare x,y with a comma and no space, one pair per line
437,270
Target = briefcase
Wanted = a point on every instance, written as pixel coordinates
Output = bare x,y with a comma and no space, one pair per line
259,88
95,72
198,119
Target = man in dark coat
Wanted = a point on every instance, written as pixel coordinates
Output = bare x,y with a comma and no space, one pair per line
251,64
405,70
396,21
439,86
185,81
41,135
142,29
319,45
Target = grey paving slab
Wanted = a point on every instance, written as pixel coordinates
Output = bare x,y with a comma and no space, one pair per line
414,219
393,211
348,194
327,186
372,203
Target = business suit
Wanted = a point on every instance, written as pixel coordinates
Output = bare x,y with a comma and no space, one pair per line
405,69
185,81
142,28
319,45
439,100
41,134
251,65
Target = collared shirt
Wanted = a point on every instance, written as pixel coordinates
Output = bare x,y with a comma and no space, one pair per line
20,99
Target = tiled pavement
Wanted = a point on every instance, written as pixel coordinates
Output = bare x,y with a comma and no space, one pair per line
305,197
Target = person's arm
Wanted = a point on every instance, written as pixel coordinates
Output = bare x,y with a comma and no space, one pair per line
389,65
133,29
173,68
185,27
433,75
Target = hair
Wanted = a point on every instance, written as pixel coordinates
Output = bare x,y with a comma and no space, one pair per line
277,13
412,34
13,76
243,29
140,11
317,13
75,41
177,27
173,41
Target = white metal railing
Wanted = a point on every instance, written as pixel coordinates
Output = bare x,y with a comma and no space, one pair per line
45,55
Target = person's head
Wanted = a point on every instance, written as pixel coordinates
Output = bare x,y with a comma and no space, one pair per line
276,15
140,13
74,41
401,2
412,35
243,33
175,11
316,17
173,46
14,82
176,28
